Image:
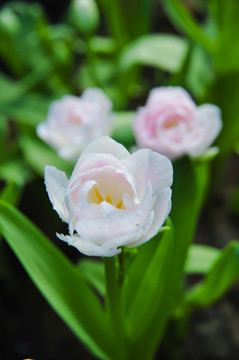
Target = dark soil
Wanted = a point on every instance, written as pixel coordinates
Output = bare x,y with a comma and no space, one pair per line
213,332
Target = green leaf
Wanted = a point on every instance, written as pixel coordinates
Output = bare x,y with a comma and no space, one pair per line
9,27
208,155
104,45
227,56
59,281
116,21
14,90
3,134
143,308
166,52
224,93
188,192
94,274
183,20
123,127
16,170
139,262
151,302
200,71
143,10
26,21
234,201
200,259
38,155
24,30
103,72
28,110
11,193
222,275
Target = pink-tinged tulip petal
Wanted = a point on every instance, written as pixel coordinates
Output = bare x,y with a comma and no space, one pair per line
146,165
106,145
89,161
209,125
73,122
171,124
113,199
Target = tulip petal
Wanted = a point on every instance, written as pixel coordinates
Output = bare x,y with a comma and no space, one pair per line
56,183
146,165
44,133
95,161
70,152
161,210
163,94
87,247
129,239
97,96
102,222
106,145
209,123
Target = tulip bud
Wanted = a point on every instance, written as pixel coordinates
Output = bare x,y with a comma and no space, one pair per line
9,23
84,15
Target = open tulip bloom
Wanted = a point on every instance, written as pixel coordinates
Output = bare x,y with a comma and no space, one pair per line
173,125
112,199
73,122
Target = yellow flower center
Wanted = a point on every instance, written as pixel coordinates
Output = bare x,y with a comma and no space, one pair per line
172,123
108,199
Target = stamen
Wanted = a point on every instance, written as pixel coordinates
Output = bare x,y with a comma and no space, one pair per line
99,197
108,199
171,124
119,205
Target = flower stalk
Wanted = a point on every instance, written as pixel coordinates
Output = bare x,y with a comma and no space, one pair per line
114,277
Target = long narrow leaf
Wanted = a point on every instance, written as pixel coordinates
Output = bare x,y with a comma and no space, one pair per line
200,259
223,274
166,52
152,286
157,297
182,19
139,267
58,280
11,193
190,183
95,274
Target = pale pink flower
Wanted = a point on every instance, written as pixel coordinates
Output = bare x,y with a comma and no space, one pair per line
171,123
73,122
112,199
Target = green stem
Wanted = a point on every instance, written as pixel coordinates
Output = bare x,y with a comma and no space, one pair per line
114,307
92,61
118,26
